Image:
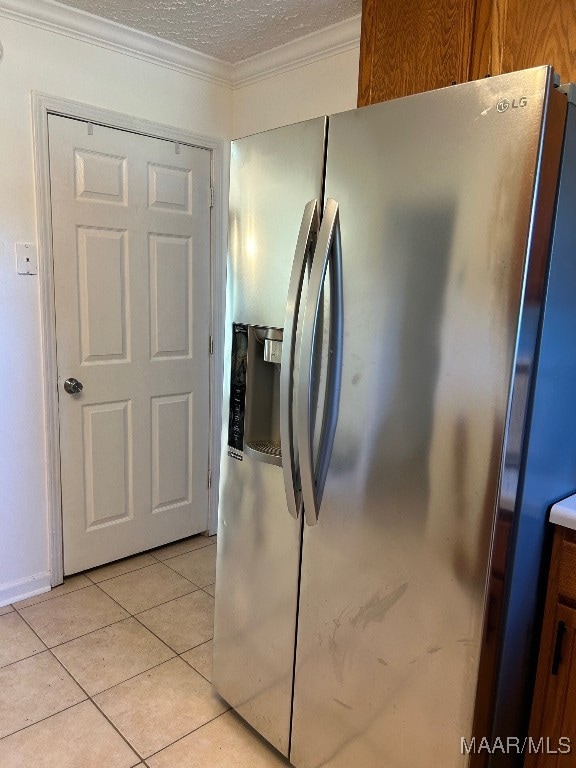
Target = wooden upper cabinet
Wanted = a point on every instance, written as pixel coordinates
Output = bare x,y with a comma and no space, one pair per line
517,34
409,46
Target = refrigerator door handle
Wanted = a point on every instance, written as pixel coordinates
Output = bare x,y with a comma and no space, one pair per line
304,245
328,251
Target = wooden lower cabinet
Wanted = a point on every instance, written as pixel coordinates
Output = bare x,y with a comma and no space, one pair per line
553,720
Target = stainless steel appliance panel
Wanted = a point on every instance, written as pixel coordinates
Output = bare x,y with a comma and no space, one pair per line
274,175
549,461
435,195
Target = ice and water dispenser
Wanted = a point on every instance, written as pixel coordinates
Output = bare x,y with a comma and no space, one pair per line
254,419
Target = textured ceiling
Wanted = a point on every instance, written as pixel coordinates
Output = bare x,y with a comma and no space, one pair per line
231,30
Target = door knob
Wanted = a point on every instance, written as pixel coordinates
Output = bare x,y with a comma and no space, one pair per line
73,386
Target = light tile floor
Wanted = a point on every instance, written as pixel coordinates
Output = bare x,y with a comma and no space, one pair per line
112,669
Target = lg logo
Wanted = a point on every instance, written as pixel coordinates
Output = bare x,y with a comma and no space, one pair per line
505,104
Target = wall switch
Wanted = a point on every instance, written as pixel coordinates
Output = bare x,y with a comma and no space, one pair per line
26,261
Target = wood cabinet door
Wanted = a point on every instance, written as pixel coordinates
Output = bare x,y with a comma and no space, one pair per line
518,34
554,713
413,46
418,45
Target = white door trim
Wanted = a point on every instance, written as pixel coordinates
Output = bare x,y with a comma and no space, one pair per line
42,106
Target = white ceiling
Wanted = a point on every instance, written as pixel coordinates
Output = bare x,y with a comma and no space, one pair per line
231,30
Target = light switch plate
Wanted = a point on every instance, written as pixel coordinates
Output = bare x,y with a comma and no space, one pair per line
26,261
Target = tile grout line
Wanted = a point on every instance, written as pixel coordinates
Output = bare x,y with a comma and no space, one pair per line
197,670
85,634
84,691
179,656
93,631
112,623
194,730
90,697
34,631
148,552
172,570
142,567
135,616
110,578
119,621
191,665
111,687
118,731
178,653
129,573
165,602
118,575
181,574
31,656
43,719
3,666
47,599
95,583
141,757
105,716
95,703
130,615
195,549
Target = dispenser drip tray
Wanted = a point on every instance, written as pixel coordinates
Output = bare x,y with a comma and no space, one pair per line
265,450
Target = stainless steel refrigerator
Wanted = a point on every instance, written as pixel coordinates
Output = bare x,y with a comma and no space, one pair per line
401,392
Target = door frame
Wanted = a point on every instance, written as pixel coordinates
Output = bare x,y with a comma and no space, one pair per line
42,106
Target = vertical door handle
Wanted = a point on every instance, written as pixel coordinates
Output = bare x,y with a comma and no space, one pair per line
304,246
313,474
557,658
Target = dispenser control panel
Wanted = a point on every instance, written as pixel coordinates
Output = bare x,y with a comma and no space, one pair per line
237,391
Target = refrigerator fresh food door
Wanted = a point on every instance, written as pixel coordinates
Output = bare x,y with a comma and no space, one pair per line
273,177
436,197
549,462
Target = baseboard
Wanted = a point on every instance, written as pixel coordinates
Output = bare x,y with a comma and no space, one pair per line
20,590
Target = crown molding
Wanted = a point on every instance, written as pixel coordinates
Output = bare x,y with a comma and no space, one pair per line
330,41
77,24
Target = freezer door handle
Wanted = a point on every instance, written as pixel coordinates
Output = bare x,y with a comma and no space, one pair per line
313,473
305,244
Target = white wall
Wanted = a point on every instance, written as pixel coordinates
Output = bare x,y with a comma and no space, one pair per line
36,59
320,88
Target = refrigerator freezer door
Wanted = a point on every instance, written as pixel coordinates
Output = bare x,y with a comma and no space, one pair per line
273,176
436,210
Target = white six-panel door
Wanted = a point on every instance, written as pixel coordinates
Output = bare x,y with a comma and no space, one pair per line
131,242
